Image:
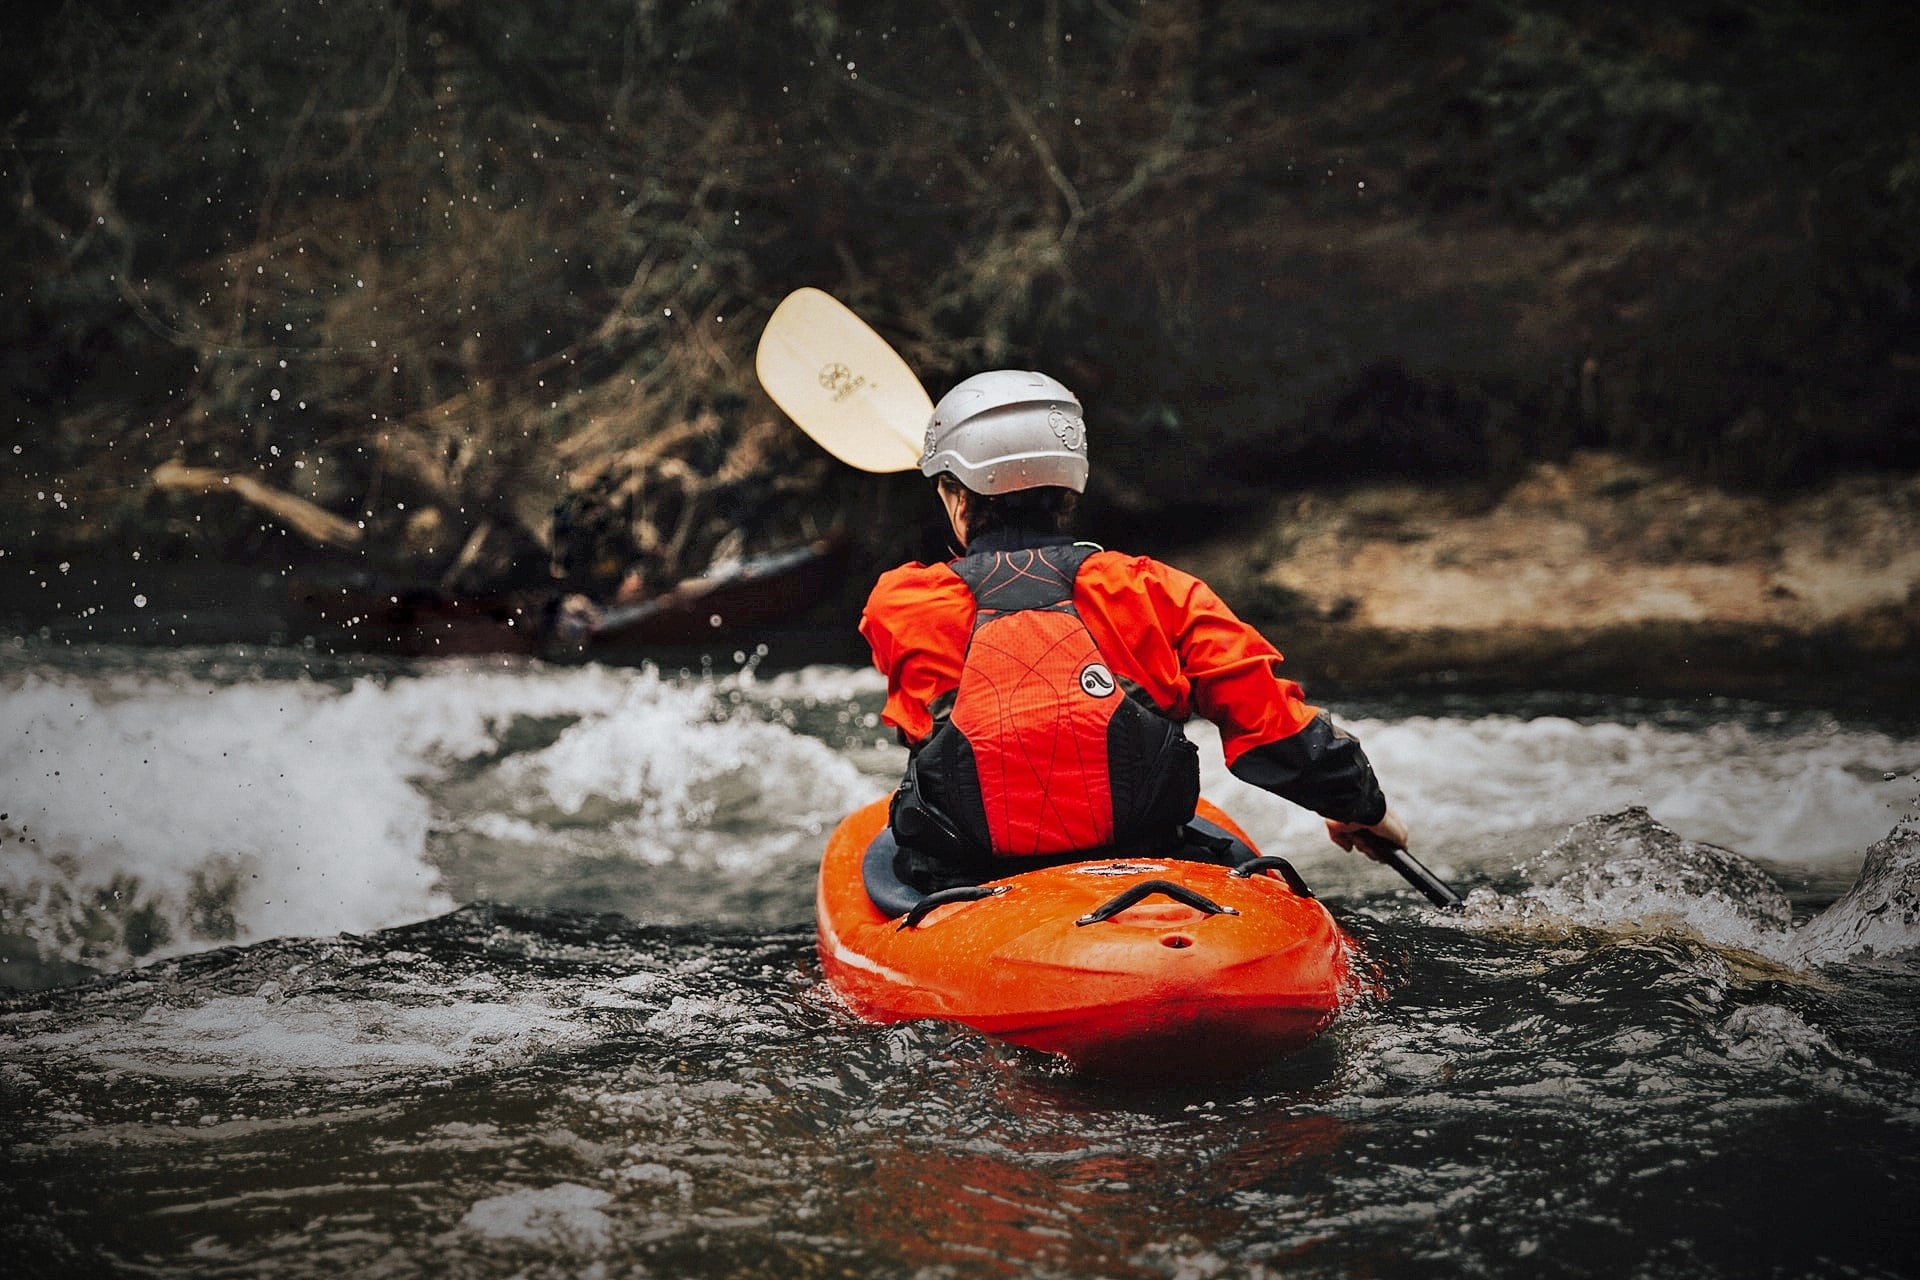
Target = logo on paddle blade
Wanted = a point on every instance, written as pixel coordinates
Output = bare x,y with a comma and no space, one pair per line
840,380
1096,681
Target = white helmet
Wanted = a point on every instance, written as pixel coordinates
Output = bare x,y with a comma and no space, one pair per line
1006,430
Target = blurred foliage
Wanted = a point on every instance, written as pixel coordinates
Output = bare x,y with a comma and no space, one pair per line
437,264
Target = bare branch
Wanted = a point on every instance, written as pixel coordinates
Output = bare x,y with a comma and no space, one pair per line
1022,117
306,519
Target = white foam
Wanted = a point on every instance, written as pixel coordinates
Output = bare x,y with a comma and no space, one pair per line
1768,1035
270,1035
819,684
299,807
565,1216
665,754
298,791
697,1018
1803,798
312,803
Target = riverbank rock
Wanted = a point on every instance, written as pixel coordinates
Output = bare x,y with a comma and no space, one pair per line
1596,569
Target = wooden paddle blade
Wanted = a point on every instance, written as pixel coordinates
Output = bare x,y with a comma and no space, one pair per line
842,384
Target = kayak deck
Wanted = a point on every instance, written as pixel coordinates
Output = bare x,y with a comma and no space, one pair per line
1141,968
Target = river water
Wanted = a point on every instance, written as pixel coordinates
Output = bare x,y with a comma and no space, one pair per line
346,966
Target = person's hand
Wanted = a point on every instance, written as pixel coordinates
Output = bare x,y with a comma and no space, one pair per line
1355,835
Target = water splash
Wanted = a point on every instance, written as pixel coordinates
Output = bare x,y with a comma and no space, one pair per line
1623,868
1626,871
1482,792
151,814
1880,916
152,805
670,762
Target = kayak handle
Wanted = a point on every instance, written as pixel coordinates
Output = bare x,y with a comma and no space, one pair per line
1269,862
959,893
1178,892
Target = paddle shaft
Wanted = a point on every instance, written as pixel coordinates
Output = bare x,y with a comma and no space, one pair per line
1385,851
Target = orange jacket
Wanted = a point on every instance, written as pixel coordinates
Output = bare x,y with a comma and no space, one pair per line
1166,631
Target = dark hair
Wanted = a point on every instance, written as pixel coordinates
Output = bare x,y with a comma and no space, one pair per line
1047,509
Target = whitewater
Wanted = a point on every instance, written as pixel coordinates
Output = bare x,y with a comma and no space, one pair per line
325,963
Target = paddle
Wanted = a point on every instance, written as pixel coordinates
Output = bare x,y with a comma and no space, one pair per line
1384,851
842,384
852,393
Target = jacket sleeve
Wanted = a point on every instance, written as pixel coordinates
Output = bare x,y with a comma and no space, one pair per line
1321,767
1271,737
917,621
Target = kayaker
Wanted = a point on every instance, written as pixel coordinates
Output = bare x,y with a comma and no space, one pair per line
1040,683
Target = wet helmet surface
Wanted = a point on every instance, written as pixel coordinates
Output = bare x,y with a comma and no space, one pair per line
1006,430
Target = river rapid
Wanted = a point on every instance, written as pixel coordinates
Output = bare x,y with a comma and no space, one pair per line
325,966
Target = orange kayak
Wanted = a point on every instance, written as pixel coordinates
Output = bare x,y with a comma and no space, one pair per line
1141,969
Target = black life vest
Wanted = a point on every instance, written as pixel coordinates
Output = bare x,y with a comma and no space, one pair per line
1040,751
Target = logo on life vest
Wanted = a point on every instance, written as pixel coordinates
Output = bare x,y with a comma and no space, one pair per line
1096,681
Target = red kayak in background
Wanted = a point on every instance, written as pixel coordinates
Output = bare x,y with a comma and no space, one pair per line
1143,968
